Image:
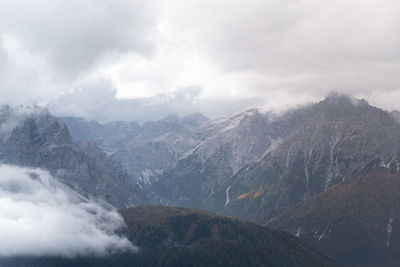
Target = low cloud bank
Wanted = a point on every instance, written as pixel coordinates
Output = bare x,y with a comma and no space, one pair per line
40,217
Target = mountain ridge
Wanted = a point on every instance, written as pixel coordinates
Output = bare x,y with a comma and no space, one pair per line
169,236
332,141
36,139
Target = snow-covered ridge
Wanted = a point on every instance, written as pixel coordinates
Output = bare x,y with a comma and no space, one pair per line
218,132
273,146
231,121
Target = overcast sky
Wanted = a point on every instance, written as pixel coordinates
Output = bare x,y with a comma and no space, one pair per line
142,60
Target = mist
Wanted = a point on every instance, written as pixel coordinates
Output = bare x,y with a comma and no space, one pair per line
41,217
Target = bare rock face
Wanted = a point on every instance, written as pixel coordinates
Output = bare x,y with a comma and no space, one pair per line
227,144
32,137
182,161
109,137
251,164
334,140
141,153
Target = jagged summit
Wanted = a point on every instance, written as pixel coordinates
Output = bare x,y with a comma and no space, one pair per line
32,137
249,165
195,119
343,103
312,148
141,152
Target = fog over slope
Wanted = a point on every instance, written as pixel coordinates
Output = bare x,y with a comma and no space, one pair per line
41,217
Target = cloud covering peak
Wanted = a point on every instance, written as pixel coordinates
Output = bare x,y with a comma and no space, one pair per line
40,217
137,57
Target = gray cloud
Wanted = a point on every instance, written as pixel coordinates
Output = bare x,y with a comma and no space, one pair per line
74,35
300,47
280,53
38,216
96,100
48,47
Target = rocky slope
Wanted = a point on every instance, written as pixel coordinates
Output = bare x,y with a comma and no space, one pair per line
109,137
32,137
227,145
356,221
332,141
187,237
141,153
183,161
252,165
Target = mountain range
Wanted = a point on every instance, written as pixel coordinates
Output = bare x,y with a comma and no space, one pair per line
259,166
332,141
32,137
327,173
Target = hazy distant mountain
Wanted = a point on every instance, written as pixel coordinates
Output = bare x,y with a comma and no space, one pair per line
32,137
109,137
187,159
227,144
357,221
187,237
141,152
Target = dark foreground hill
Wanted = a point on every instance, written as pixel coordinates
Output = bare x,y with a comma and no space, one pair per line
356,221
188,237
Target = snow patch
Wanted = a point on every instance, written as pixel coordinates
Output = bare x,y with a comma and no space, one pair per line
335,140
232,121
324,233
298,233
227,196
307,178
273,146
389,229
191,151
386,165
145,177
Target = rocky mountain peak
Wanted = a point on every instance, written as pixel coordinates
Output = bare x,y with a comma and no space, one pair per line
310,149
32,137
341,107
195,119
34,120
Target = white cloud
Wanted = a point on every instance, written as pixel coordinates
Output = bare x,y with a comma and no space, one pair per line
49,47
74,35
95,100
38,216
299,47
26,77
